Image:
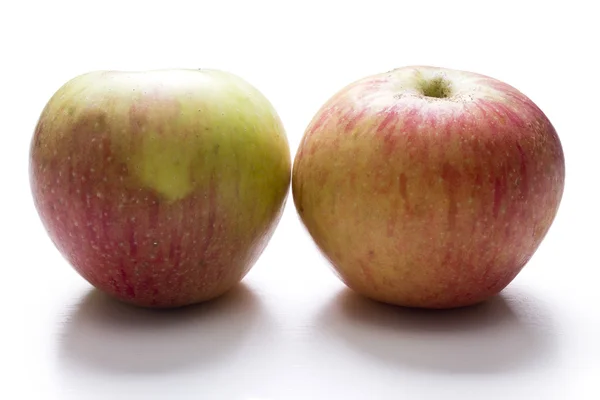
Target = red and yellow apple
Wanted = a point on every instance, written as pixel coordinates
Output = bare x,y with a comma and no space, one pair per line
428,187
161,188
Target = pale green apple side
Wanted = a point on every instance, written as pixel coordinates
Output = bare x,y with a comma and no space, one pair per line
194,126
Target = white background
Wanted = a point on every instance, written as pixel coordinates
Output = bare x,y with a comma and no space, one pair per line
291,330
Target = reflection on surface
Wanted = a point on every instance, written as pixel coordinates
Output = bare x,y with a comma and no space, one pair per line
506,332
106,334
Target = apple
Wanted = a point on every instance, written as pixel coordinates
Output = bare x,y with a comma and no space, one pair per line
428,187
160,187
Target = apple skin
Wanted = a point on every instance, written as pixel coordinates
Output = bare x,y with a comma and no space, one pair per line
428,187
163,187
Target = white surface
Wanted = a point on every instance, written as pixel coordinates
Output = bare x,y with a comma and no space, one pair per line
291,331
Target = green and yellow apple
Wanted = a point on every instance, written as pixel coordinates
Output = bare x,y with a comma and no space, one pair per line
163,187
428,187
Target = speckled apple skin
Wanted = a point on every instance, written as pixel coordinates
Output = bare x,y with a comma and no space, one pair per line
161,188
428,202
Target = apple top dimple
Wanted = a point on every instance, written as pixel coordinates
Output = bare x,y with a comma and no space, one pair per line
440,86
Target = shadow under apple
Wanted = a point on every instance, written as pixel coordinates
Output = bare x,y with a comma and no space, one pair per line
508,331
103,333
